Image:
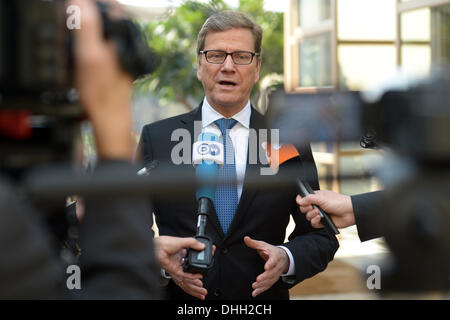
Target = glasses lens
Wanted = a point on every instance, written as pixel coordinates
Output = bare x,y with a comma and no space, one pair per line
215,56
241,57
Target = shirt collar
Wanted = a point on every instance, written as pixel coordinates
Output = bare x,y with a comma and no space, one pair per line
209,115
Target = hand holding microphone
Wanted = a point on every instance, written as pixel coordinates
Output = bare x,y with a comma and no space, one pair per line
305,190
170,252
173,253
338,206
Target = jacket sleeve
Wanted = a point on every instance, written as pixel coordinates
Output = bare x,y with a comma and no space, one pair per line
367,208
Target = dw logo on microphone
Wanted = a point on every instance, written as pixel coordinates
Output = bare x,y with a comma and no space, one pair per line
206,148
203,149
215,150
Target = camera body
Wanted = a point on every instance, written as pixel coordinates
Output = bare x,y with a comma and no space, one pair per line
39,110
413,120
36,62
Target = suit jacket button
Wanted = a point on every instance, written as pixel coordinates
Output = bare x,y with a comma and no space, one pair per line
217,292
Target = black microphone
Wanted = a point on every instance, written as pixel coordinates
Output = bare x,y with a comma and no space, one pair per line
305,189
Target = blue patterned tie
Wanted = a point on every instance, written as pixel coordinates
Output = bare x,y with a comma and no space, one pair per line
226,197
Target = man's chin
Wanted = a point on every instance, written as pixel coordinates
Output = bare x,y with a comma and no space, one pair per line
226,106
229,104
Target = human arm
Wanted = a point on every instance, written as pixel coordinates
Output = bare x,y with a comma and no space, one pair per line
117,258
362,210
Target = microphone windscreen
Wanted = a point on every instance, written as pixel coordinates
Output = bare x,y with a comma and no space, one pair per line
209,149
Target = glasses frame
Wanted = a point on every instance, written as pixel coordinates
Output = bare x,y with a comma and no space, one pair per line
205,52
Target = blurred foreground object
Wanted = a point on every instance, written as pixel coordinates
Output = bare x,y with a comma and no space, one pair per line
39,106
413,120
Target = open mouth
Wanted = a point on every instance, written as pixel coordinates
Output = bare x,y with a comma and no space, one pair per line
227,83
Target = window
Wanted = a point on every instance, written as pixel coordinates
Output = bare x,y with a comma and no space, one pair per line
423,35
366,20
313,12
315,61
350,44
309,44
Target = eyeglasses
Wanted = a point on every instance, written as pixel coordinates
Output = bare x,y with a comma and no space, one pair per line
238,57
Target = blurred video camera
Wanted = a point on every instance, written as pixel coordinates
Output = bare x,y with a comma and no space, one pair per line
411,119
38,104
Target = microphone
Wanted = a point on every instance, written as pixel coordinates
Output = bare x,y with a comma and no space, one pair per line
207,156
305,189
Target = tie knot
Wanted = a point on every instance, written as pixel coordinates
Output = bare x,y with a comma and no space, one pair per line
225,124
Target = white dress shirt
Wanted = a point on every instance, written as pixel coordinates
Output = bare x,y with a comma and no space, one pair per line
239,136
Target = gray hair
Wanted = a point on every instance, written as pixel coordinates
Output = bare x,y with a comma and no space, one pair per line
226,20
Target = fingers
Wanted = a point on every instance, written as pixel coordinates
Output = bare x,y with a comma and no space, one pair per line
266,280
312,214
273,267
179,273
191,243
307,201
260,246
264,283
175,266
258,290
314,217
192,287
315,222
177,245
254,244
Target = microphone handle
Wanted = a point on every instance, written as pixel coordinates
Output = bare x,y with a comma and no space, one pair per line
305,189
204,205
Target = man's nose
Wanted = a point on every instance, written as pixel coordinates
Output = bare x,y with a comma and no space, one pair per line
228,64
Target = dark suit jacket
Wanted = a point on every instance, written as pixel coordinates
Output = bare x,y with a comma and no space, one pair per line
262,214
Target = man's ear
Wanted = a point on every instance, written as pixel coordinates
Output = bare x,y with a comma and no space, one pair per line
258,68
199,74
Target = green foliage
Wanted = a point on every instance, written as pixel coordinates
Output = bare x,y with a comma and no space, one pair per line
175,40
272,44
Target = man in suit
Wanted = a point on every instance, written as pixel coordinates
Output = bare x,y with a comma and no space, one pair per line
247,225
